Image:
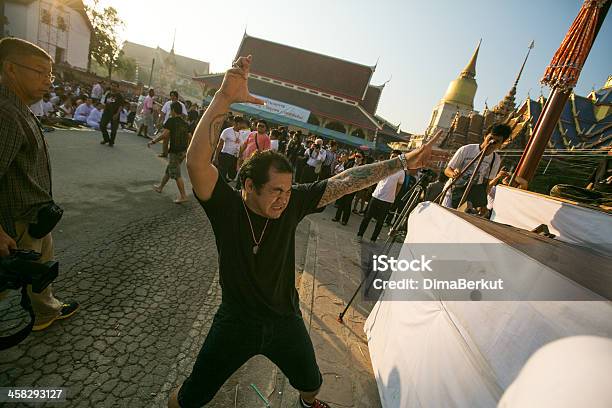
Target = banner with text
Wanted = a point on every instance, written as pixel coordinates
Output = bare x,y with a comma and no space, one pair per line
282,108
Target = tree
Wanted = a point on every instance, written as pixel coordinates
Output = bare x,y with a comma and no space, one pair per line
104,42
127,67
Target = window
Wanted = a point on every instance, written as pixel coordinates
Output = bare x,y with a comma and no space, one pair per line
60,54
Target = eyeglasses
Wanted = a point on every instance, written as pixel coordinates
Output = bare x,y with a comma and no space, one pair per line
41,74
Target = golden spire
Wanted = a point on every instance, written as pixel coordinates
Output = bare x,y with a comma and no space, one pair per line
470,69
462,90
507,105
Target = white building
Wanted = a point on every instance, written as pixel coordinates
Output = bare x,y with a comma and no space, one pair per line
61,27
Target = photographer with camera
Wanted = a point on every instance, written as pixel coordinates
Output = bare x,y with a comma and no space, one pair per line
495,137
27,211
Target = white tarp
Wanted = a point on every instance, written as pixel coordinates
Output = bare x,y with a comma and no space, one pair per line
282,108
569,222
463,354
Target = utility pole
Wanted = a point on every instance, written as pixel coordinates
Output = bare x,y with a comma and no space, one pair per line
151,75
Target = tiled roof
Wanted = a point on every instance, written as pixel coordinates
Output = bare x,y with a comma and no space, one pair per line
591,131
298,66
370,103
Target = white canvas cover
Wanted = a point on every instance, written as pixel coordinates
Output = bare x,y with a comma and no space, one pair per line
569,222
464,354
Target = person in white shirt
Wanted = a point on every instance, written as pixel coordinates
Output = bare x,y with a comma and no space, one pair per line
165,110
47,106
228,149
82,111
274,135
93,120
496,135
315,156
382,199
97,91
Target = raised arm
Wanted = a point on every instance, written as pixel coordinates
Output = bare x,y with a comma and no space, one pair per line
202,173
360,177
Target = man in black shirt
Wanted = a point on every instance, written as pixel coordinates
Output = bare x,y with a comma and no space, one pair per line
255,235
113,102
177,132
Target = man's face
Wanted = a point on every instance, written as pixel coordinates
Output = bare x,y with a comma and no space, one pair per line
88,101
114,87
273,197
151,93
31,76
173,98
261,128
495,140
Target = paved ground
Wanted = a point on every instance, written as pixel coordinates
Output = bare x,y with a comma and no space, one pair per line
144,270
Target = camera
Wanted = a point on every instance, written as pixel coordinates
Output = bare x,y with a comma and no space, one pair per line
21,268
427,176
18,270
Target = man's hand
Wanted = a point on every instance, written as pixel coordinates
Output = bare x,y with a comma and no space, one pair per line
6,243
234,87
419,158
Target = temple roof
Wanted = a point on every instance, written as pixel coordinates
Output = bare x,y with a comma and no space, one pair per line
577,126
316,104
370,102
307,68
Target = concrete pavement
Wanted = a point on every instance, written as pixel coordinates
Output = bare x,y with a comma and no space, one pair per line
144,270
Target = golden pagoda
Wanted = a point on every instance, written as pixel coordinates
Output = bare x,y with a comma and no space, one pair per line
463,89
458,99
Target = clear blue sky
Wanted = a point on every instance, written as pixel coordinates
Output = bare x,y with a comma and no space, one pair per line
422,45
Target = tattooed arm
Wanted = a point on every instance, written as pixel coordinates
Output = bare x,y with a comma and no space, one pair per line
202,173
359,177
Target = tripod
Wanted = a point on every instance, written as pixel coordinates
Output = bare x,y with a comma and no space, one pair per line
396,231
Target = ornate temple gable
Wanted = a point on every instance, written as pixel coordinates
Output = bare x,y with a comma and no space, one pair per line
372,97
306,68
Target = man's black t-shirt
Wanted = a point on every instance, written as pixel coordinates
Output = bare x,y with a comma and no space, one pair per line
261,286
179,130
112,103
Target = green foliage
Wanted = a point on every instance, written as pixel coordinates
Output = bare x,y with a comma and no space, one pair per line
127,67
104,46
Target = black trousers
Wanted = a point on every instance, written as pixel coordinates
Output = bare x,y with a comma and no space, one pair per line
227,166
104,121
377,209
343,212
233,339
